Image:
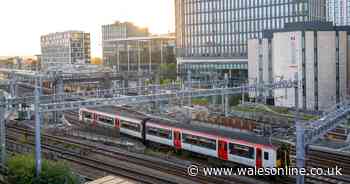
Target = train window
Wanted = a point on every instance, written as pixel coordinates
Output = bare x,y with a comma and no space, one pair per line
130,126
87,115
159,132
266,155
199,141
106,120
241,150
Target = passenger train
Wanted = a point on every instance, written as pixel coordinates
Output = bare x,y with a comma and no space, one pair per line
242,148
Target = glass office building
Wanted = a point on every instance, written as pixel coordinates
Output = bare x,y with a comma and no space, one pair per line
216,32
65,48
338,12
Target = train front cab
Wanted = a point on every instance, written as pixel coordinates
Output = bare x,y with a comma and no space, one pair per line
265,157
283,156
177,139
88,117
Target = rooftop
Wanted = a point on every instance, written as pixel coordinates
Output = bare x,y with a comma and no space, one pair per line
160,37
111,180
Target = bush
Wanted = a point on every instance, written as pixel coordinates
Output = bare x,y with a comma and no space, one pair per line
21,170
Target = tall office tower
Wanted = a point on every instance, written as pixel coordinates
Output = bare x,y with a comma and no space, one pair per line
212,35
70,47
118,30
338,11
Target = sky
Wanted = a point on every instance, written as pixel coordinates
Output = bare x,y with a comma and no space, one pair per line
22,22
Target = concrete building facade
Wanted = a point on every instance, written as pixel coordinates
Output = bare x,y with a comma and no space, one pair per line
338,12
320,57
70,47
212,36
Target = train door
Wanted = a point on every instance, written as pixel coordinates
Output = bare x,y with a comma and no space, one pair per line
283,158
177,139
143,130
116,122
222,150
258,158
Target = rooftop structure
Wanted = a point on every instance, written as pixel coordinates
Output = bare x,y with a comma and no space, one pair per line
80,69
122,30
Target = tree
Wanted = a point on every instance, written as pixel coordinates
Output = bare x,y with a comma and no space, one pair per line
168,71
21,170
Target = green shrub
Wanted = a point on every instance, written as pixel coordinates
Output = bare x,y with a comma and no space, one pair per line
200,101
21,170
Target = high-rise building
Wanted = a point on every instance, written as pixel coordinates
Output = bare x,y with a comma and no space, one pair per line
338,11
317,53
116,31
70,47
212,35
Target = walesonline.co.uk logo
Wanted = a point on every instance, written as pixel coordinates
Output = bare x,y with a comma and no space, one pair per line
194,170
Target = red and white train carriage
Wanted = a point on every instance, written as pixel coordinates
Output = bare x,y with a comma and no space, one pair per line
223,144
238,147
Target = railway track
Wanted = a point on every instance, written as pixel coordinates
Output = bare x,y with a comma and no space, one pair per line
172,169
315,159
103,166
327,159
